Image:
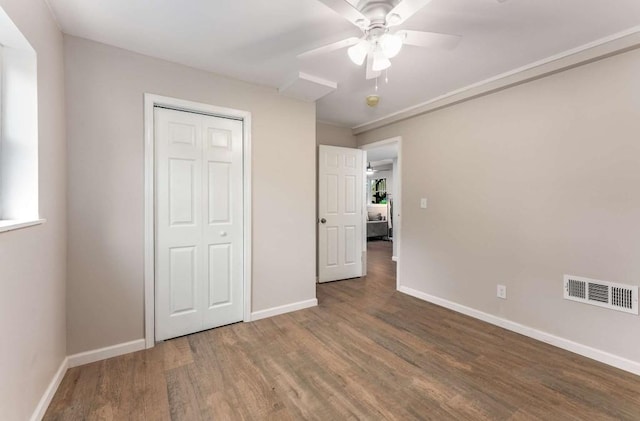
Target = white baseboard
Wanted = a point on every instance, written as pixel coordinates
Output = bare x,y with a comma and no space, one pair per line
274,311
51,391
80,359
394,258
566,344
104,353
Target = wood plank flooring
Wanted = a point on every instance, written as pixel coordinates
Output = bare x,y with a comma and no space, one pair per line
366,352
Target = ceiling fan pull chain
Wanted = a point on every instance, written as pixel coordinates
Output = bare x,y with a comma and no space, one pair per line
376,84
386,76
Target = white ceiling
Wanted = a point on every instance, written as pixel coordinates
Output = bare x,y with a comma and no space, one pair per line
382,153
258,41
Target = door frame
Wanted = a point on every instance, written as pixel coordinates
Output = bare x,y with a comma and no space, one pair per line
397,223
151,101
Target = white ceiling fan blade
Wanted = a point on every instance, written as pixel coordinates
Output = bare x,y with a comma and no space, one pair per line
429,39
371,74
404,10
347,11
330,47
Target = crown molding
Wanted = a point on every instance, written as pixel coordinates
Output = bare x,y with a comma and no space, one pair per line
53,14
329,123
605,47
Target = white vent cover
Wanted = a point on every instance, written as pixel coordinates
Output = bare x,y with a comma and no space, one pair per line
601,293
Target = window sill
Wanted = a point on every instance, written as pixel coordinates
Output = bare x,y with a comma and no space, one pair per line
11,225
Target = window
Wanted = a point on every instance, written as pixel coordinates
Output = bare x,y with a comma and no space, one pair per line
18,129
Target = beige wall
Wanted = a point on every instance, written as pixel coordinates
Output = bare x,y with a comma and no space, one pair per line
526,185
105,88
327,134
33,260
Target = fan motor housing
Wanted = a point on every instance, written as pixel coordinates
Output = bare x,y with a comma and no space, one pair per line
376,10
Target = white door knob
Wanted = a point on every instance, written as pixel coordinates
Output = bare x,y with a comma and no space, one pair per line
223,233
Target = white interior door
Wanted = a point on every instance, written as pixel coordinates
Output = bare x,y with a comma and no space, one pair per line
340,236
199,226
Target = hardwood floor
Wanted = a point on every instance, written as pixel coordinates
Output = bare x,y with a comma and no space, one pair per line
366,352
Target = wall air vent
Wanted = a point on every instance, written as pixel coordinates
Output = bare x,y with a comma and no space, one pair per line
601,293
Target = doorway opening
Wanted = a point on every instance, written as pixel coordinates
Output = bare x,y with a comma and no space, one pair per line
359,192
383,188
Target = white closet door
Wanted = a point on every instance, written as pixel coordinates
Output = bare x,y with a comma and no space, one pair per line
340,243
199,231
223,224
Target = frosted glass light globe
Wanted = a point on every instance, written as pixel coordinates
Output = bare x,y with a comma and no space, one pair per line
359,52
390,44
380,61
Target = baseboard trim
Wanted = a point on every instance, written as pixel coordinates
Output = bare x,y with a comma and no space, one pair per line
51,390
566,344
87,357
394,258
287,308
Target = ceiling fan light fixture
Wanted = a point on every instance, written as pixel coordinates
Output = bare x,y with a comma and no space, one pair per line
390,44
361,23
380,62
358,53
393,19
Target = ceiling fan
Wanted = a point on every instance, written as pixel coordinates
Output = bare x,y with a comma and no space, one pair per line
380,42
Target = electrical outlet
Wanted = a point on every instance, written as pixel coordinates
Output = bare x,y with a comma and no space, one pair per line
423,203
502,292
